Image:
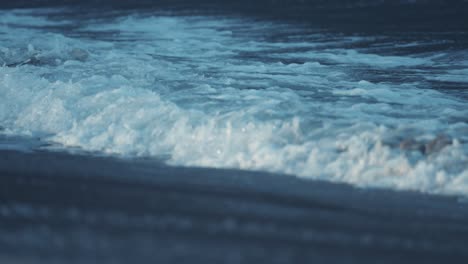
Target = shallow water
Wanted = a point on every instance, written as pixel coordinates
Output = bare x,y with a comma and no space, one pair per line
236,92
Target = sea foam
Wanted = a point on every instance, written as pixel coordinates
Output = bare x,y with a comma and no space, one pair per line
205,91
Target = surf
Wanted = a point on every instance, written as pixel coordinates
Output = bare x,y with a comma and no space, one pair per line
217,92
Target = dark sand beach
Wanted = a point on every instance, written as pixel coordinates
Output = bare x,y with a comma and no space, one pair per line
63,208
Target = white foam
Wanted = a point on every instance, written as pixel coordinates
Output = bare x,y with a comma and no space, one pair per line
183,91
460,76
353,57
25,17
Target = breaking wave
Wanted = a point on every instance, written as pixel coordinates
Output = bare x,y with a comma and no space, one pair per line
235,93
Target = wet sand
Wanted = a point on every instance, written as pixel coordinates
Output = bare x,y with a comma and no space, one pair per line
63,208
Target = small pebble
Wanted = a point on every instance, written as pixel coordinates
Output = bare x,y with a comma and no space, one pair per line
79,54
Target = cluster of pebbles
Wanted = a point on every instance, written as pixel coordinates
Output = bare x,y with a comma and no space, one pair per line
426,147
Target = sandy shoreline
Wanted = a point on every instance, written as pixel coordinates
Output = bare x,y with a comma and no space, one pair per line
63,208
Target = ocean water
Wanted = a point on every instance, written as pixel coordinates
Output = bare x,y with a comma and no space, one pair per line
373,110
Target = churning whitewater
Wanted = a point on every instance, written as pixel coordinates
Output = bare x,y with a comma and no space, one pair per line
240,93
